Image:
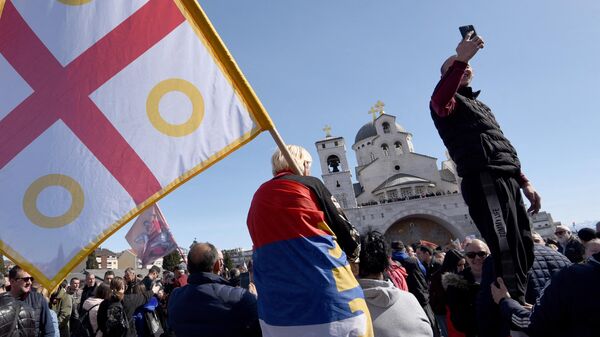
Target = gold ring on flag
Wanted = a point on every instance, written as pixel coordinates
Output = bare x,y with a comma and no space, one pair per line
30,201
188,89
74,2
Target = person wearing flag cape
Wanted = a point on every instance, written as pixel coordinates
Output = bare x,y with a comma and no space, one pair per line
303,247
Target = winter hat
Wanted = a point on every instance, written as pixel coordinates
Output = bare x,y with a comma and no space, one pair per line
586,234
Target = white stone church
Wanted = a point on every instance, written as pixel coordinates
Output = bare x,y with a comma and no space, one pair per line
401,193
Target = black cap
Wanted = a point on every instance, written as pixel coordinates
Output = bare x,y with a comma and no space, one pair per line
586,234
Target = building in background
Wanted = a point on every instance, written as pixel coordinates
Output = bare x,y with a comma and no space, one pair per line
107,259
400,192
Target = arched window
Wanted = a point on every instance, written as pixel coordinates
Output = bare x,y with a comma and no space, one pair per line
398,147
386,127
333,163
372,156
385,149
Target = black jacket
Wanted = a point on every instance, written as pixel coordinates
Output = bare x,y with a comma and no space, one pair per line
461,296
474,138
568,305
209,306
8,310
546,263
415,280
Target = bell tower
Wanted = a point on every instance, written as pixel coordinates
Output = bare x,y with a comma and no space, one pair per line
335,170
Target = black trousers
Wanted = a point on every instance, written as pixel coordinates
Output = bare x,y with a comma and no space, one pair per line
518,227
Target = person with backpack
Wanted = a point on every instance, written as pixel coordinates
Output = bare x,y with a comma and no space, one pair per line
115,315
89,318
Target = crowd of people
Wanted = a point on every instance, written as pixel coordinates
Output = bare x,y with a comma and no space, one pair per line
312,273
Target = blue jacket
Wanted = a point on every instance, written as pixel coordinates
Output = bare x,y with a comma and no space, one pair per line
546,263
568,305
43,318
209,306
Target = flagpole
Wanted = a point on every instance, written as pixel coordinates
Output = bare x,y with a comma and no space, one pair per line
171,234
283,148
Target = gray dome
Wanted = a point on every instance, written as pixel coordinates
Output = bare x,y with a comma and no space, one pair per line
368,130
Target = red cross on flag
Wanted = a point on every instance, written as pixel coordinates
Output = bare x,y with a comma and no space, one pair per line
105,107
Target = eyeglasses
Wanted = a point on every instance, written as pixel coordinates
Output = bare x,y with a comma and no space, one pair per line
560,232
471,255
26,279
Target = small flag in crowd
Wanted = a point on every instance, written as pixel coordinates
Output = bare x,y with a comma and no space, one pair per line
150,236
105,107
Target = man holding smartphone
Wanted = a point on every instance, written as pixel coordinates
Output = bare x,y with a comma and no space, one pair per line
488,164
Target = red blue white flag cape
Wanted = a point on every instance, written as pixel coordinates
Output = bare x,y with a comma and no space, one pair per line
105,107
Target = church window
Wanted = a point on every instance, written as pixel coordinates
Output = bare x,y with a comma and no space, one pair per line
385,148
386,127
397,167
337,183
405,192
335,143
393,194
372,156
323,146
398,147
333,163
382,215
419,190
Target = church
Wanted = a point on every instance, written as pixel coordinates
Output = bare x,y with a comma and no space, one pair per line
401,193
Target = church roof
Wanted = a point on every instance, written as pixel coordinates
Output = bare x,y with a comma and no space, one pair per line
368,130
447,175
401,179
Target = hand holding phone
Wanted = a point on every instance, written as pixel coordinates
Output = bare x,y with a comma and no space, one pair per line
467,48
464,30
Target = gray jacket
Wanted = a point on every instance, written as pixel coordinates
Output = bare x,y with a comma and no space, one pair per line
394,312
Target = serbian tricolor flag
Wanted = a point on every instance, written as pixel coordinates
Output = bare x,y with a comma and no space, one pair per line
304,282
105,107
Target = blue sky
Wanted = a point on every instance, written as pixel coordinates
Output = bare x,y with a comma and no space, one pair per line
314,63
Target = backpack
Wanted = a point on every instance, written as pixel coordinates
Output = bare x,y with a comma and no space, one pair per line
83,327
116,320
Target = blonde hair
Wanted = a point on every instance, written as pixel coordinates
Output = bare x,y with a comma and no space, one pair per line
301,157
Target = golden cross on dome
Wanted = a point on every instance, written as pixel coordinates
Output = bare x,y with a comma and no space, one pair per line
327,130
379,107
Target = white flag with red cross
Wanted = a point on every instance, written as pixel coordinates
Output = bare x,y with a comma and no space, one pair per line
105,107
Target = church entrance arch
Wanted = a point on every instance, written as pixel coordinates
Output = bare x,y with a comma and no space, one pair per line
413,228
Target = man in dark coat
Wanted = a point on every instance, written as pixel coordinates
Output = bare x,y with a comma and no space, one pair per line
208,305
546,263
20,288
489,166
16,316
88,290
568,305
416,281
570,246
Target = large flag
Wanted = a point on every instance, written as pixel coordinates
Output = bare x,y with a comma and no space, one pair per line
150,236
105,107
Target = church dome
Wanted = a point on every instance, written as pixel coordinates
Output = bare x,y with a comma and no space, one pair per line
368,130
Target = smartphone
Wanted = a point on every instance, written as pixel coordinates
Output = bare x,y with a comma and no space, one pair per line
245,280
464,30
